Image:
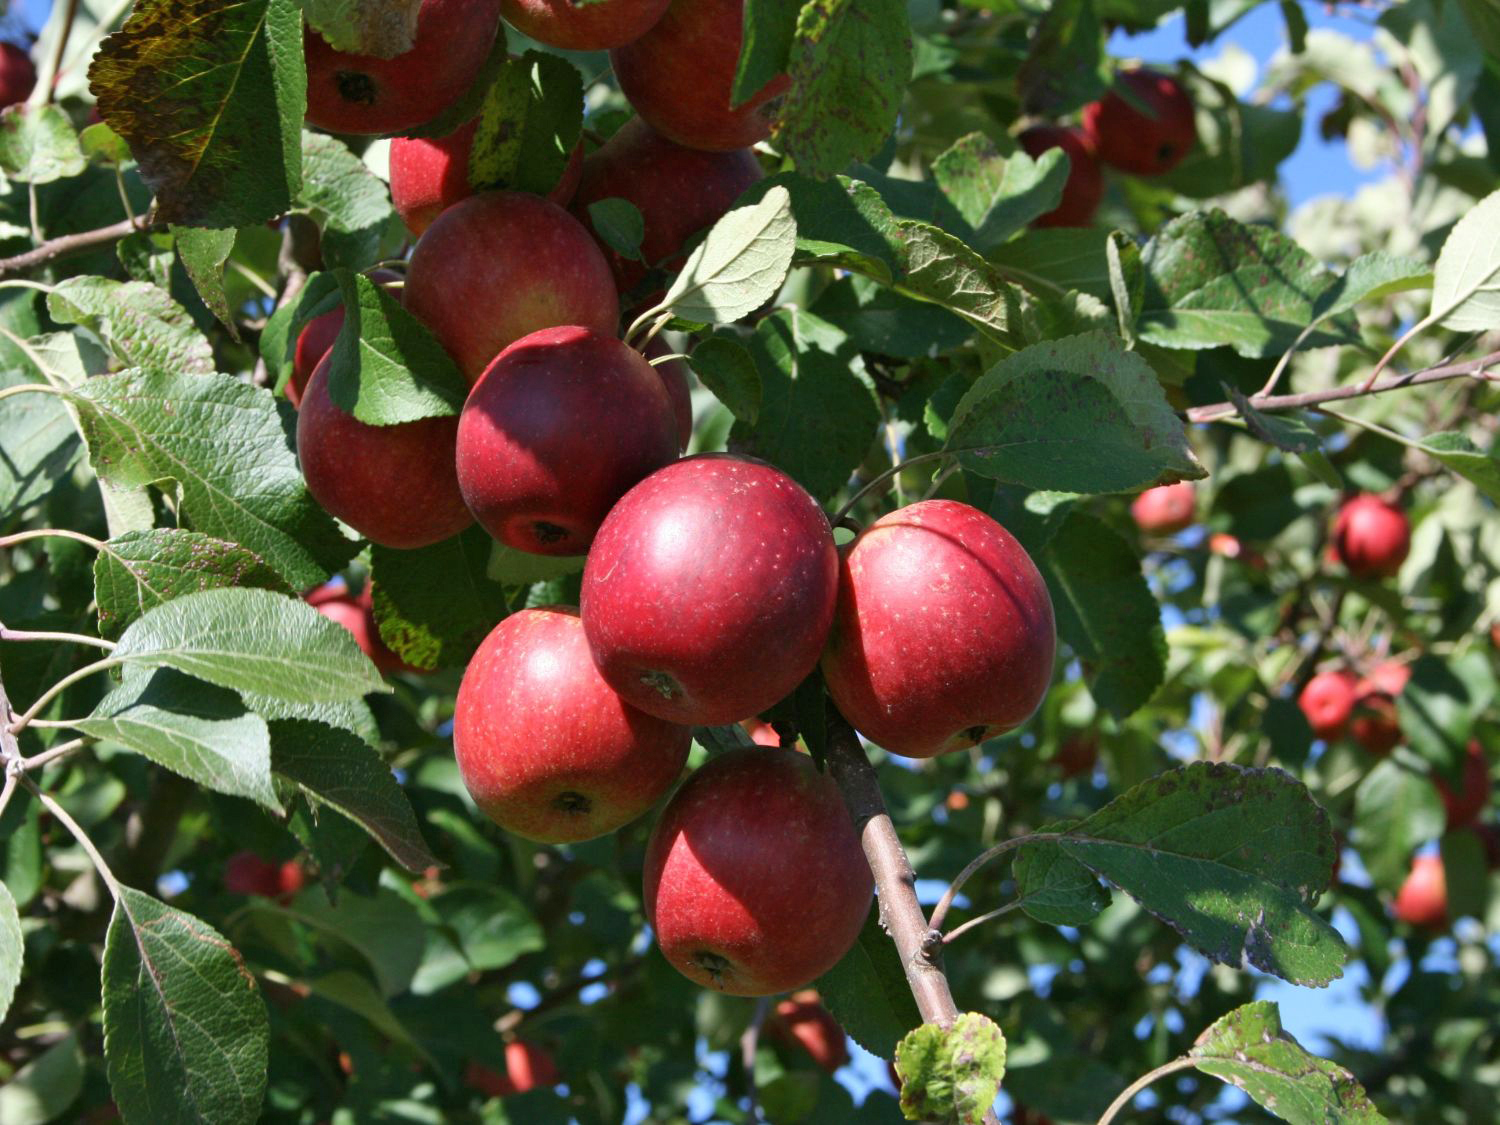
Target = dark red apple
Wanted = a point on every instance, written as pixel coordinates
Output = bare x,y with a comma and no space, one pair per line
395,485
1146,141
801,1021
1085,184
678,191
1376,724
1495,635
246,873
709,589
1077,754
1423,898
501,265
1389,677
595,25
356,612
755,880
546,749
555,431
431,174
674,373
17,74
318,335
1465,805
679,74
348,93
944,634
1328,701
1164,510
1371,537
527,1067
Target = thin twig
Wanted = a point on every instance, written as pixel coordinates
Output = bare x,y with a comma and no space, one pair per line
70,244
958,931
1141,1083
52,67
61,686
12,781
880,479
940,911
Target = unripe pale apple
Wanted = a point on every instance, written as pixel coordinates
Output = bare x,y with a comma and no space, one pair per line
1164,510
555,431
318,336
17,74
395,485
679,74
755,881
348,93
944,634
1371,537
709,589
527,1067
546,749
801,1021
1145,144
1085,185
596,25
1328,700
356,612
678,191
1473,794
431,174
501,265
1423,898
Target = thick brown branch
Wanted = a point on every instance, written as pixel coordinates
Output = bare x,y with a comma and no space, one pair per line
66,244
1270,404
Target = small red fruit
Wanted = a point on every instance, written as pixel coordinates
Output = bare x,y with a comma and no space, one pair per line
17,74
1077,754
317,338
1465,805
1328,701
1164,510
527,1067
246,873
801,1020
1085,184
591,25
1376,725
1147,141
1423,898
755,881
1371,537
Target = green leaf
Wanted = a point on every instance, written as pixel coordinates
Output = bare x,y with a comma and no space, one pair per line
840,222
529,125
350,204
185,1029
1248,1048
484,928
1211,280
354,992
726,368
1441,704
436,604
1065,65
996,196
1233,859
934,266
880,320
769,27
141,569
849,63
1466,459
1055,889
100,142
40,445
139,324
1369,278
203,253
252,640
511,567
337,769
229,451
1466,280
386,367
951,1074
1127,281
43,1089
201,732
739,265
1053,260
12,949
817,419
210,97
620,224
278,342
384,929
1079,414
38,144
1239,144
1106,613
382,28
722,739
868,994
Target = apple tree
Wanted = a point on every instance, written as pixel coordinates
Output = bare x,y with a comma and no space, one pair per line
642,560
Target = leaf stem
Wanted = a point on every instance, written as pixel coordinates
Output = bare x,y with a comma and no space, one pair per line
881,478
24,388
61,686
940,911
78,834
998,912
1183,1063
47,757
51,533
7,634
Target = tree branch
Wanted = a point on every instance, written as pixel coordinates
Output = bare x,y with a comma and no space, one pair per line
66,244
1270,404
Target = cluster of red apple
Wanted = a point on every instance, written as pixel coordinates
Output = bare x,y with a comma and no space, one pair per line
1143,127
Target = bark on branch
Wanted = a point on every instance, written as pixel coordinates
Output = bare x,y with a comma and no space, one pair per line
66,244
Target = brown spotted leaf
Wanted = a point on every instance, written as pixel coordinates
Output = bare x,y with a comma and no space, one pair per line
210,98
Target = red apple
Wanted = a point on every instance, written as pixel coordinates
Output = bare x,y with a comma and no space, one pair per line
761,732
956,800
678,191
802,1021
431,174
1077,754
709,589
395,485
17,74
318,336
544,747
356,612
1146,141
1495,635
943,635
1328,701
1375,724
527,1067
1465,805
348,93
1423,898
1085,184
555,431
678,76
501,265
1164,510
1389,677
755,881
674,374
1371,537
246,873
595,25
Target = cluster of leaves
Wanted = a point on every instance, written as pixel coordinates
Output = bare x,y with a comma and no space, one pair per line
914,316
